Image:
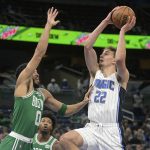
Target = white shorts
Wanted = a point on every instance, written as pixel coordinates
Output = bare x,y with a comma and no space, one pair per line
98,136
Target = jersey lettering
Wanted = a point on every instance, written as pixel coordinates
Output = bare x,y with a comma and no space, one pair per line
104,84
37,103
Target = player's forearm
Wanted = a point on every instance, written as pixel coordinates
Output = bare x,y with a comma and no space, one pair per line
43,43
94,35
121,48
72,109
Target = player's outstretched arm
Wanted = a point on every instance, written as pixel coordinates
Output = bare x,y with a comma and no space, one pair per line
63,109
41,47
121,53
74,108
89,53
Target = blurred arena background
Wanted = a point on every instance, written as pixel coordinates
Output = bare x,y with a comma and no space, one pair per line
65,65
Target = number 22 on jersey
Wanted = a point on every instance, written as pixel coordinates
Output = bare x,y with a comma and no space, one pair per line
100,97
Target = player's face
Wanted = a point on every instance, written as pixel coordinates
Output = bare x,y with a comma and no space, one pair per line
107,58
46,125
36,77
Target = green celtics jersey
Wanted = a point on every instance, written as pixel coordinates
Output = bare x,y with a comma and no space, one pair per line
43,145
27,113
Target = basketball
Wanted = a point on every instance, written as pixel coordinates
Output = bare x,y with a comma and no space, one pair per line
121,15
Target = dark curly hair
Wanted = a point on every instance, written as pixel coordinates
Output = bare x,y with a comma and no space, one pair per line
48,114
20,68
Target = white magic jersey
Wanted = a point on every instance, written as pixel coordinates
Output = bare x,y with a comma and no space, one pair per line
106,99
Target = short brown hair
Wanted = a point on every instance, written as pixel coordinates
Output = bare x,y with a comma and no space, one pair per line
111,49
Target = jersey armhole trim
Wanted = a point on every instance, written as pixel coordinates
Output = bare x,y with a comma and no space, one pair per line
26,96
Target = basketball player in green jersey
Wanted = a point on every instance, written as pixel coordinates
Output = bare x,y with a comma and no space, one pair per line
43,140
29,98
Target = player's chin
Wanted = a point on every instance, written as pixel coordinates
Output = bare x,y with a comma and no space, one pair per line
100,63
37,82
45,131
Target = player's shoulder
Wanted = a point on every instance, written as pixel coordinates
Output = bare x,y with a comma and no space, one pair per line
35,136
121,82
45,92
98,72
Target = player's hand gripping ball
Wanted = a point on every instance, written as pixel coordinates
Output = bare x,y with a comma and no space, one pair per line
121,16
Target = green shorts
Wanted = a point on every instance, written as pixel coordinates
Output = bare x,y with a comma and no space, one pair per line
11,143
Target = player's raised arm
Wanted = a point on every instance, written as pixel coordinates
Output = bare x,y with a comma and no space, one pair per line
89,52
41,47
121,53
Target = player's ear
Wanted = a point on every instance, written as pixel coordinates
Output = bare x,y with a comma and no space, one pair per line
114,62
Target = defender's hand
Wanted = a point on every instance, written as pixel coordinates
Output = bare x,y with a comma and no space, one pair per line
51,16
87,95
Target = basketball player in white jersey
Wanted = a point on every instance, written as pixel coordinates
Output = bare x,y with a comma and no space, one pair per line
109,80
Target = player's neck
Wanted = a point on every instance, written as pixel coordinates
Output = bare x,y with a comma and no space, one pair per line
107,71
43,137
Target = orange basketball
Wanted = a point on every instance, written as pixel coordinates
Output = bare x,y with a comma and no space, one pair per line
121,15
